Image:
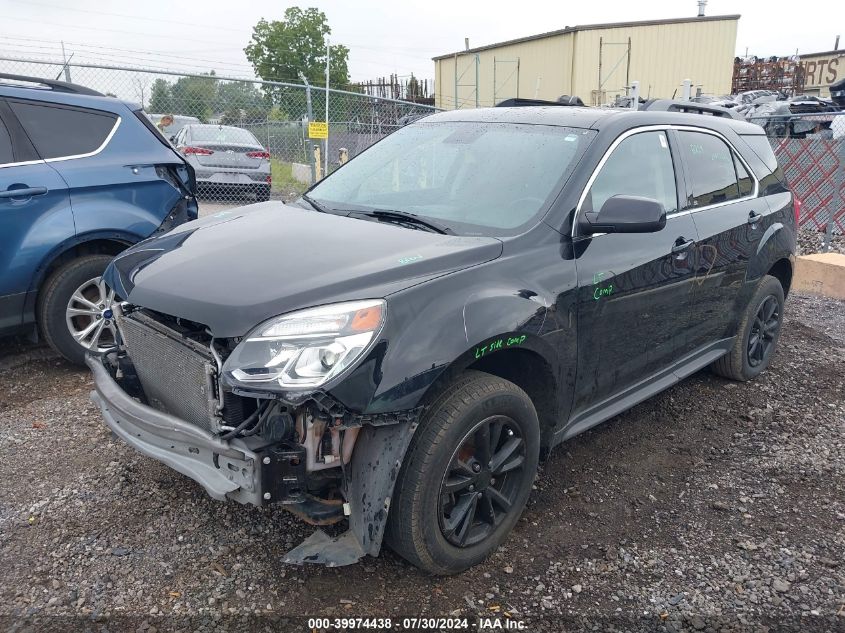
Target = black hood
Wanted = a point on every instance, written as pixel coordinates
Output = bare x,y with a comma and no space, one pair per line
237,268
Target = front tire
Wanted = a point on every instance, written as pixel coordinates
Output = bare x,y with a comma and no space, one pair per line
74,309
757,336
467,475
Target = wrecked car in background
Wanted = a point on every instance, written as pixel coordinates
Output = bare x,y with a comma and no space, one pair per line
397,347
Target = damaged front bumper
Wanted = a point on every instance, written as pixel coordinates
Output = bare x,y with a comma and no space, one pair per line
224,469
258,474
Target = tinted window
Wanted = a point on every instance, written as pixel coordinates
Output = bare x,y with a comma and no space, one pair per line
5,145
640,166
772,180
746,184
58,132
477,178
710,167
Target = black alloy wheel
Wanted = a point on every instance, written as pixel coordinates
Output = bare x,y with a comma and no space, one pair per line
757,333
482,481
764,331
466,476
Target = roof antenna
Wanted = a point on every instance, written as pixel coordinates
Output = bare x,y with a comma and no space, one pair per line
701,5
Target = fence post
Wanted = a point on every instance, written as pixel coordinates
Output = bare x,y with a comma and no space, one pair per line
310,115
328,57
317,162
838,202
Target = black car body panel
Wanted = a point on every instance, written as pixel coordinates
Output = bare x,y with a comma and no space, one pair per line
586,323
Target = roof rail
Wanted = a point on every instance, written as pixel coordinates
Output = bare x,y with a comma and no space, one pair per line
563,100
672,105
53,84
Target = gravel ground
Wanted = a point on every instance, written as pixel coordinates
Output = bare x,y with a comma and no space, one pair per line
715,506
813,242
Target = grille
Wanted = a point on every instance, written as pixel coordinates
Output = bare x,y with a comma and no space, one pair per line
175,375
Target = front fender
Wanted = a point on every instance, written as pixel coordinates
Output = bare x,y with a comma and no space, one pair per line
443,323
412,353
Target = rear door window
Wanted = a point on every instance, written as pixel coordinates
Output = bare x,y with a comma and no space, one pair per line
710,169
60,132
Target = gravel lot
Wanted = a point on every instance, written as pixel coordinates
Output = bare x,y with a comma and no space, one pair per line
714,506
812,242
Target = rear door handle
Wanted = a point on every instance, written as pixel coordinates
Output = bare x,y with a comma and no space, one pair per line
23,193
754,217
681,245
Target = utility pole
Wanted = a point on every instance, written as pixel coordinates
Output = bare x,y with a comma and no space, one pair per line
67,68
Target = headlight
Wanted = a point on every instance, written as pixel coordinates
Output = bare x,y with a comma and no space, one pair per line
305,349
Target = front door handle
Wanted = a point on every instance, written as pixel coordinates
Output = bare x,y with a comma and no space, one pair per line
28,192
754,217
681,245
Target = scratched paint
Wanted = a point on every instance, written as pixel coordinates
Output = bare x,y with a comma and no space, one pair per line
497,344
410,258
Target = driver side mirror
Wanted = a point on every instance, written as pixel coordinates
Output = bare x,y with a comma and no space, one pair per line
626,214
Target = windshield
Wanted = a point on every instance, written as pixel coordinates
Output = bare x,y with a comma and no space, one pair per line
477,178
222,134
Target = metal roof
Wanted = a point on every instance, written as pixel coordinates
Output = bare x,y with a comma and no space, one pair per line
586,117
591,27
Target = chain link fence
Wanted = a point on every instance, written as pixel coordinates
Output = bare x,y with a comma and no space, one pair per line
250,140
247,140
811,150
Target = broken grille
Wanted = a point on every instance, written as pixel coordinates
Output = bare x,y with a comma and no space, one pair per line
176,376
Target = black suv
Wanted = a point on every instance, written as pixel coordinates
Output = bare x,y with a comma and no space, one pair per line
398,347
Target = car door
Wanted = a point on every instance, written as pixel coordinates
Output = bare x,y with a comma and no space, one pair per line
634,288
730,220
35,216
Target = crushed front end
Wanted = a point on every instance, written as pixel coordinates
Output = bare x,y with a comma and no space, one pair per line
163,392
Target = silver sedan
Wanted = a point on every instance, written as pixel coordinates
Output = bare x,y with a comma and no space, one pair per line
227,160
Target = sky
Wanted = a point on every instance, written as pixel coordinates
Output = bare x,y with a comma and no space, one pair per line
384,36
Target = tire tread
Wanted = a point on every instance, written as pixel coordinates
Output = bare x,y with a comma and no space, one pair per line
404,533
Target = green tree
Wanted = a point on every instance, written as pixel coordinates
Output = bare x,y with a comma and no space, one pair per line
194,96
161,99
281,49
241,100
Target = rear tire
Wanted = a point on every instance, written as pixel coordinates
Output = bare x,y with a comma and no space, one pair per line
54,301
444,478
757,335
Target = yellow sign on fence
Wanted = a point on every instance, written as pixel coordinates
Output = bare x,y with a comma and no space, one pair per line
318,129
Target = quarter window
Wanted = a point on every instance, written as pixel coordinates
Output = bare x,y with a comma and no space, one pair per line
5,145
712,171
641,165
746,184
57,132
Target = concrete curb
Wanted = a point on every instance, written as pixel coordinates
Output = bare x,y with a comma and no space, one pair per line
820,274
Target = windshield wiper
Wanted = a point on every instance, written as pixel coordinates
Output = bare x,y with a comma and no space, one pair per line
403,217
317,206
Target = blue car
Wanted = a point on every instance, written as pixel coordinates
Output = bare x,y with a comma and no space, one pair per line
82,177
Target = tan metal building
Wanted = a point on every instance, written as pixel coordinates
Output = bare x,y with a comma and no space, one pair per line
594,62
821,70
